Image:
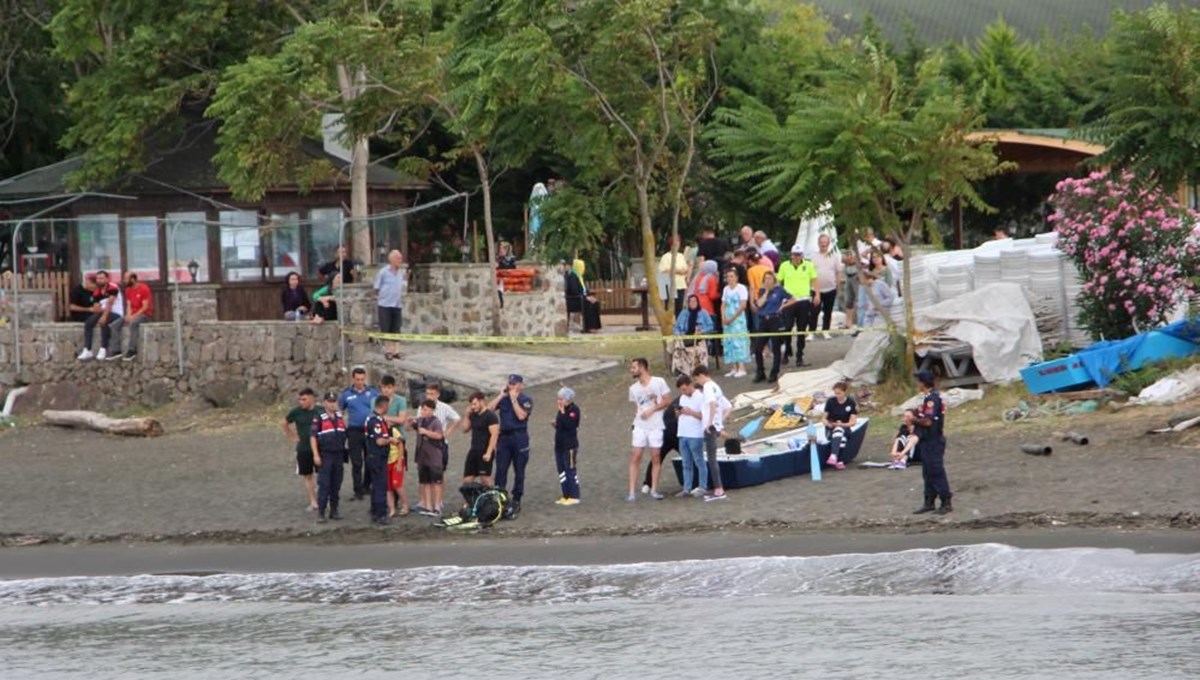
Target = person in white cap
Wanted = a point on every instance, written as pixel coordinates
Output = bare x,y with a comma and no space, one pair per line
798,277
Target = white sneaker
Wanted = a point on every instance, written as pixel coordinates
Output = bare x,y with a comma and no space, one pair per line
739,374
646,488
826,336
86,355
102,354
730,373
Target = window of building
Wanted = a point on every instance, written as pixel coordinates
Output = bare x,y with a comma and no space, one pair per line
99,244
141,245
283,237
241,246
322,237
387,233
187,242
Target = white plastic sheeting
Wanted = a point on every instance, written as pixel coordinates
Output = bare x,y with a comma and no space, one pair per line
810,230
1174,388
998,324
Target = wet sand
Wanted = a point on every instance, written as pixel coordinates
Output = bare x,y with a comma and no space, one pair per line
143,558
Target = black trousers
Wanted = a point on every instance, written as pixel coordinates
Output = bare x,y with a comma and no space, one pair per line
329,482
377,469
768,324
512,449
796,317
824,307
356,445
933,469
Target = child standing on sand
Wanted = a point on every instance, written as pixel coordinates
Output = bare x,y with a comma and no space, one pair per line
566,446
429,456
905,442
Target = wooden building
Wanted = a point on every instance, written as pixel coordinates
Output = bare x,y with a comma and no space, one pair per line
177,212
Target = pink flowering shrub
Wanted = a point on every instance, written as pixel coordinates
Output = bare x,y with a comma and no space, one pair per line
1135,247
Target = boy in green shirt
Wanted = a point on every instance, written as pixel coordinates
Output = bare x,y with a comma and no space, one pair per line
297,425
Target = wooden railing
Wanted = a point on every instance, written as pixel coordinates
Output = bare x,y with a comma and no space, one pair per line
614,295
57,282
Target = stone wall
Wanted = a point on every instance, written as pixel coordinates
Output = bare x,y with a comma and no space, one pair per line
264,359
244,358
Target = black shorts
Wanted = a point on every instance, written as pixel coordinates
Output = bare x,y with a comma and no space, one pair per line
428,475
304,463
389,319
476,466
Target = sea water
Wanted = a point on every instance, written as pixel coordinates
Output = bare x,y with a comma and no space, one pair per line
985,611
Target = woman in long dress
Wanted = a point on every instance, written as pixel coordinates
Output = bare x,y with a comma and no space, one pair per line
733,317
536,198
580,301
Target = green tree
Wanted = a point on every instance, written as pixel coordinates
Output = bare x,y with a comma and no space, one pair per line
139,62
880,152
1149,105
32,105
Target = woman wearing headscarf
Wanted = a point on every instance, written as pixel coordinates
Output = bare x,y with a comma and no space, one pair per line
689,350
706,287
693,320
579,300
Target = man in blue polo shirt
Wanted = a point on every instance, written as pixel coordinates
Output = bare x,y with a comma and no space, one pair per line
357,402
514,407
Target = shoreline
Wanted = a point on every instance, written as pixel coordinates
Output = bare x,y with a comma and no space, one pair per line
116,559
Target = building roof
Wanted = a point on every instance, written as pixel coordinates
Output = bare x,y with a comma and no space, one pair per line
187,164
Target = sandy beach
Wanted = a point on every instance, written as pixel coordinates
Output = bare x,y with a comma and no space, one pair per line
228,478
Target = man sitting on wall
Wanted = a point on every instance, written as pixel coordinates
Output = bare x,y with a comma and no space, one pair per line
80,303
107,304
139,301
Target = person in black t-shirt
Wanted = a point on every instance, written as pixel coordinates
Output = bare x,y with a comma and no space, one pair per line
485,433
904,446
81,303
710,246
841,414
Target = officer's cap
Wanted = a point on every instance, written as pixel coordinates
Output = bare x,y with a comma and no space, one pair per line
330,396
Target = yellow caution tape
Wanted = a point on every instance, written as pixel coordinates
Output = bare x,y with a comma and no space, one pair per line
570,339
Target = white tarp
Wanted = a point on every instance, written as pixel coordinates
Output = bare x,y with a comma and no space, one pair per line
810,230
1174,388
791,386
998,324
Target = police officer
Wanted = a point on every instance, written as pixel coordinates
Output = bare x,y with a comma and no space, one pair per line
356,402
514,408
378,438
328,439
931,419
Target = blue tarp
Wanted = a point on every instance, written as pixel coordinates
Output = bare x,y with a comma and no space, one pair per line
1107,359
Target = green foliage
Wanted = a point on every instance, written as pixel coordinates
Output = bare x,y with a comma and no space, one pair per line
570,225
1150,101
1133,382
32,116
141,62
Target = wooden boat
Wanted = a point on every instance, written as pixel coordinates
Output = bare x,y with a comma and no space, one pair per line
776,457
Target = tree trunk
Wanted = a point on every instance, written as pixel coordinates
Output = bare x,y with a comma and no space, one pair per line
360,227
90,420
485,184
648,260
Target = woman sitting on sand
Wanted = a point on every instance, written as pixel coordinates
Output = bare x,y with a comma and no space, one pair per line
905,443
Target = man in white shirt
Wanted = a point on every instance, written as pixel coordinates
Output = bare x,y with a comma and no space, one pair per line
829,278
690,429
675,264
716,407
652,396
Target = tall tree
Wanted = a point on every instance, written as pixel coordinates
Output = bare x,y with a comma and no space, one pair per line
881,152
269,102
32,105
1149,104
138,62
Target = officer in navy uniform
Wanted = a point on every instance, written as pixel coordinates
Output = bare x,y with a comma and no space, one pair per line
377,437
514,408
931,421
329,455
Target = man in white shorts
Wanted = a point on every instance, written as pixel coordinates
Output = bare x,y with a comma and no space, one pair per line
652,396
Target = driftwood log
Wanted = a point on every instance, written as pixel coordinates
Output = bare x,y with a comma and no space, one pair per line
90,420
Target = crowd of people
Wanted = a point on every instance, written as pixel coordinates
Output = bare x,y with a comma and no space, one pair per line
371,429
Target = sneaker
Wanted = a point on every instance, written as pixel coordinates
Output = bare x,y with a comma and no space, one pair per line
826,336
102,354
335,515
832,460
321,519
561,501
730,373
632,498
420,510
656,495
739,374
646,488
115,355
682,494
714,497
129,356
86,355
899,466
570,501
698,493
430,513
